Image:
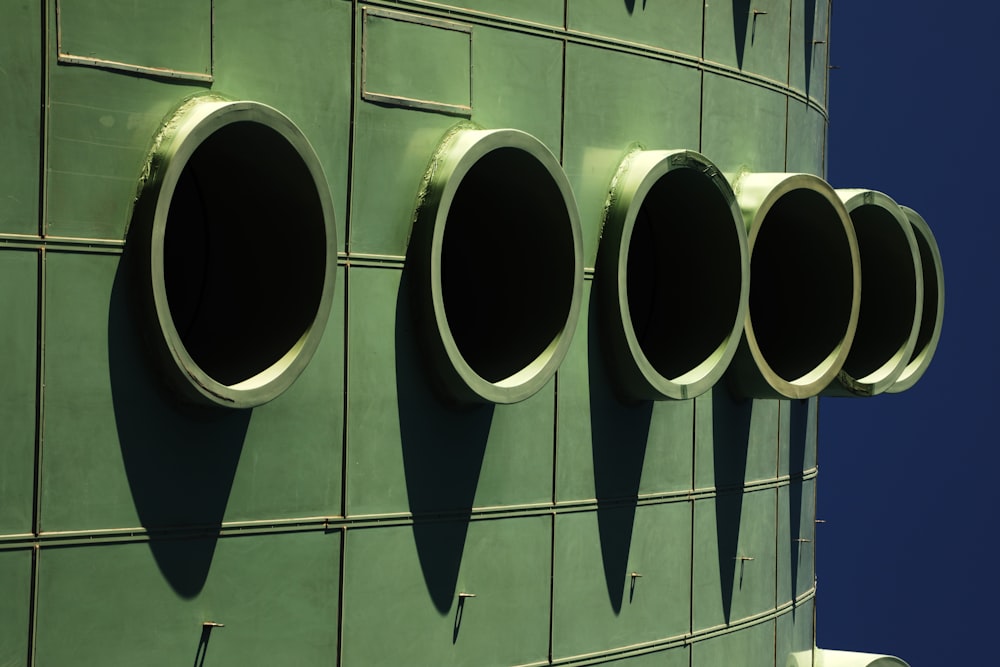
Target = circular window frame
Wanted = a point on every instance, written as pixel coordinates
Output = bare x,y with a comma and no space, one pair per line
459,152
635,374
179,138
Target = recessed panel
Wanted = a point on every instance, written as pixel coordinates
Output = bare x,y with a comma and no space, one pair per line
749,36
15,605
162,39
743,125
806,139
747,647
18,369
622,577
275,594
675,26
453,593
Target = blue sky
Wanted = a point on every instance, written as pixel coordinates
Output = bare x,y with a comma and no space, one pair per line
908,483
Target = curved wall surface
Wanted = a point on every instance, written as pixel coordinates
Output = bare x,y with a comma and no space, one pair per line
450,473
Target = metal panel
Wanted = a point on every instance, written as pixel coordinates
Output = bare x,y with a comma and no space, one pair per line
149,37
598,604
676,657
408,450
276,594
84,482
806,139
611,106
416,62
798,429
743,126
519,84
749,647
734,557
20,83
100,126
796,538
18,368
304,72
751,36
795,633
675,26
407,579
609,449
15,606
809,49
736,440
146,461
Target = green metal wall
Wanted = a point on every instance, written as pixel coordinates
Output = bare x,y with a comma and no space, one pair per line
339,523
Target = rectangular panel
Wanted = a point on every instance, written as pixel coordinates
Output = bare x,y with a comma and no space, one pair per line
736,440
806,139
794,635
295,57
734,557
406,580
809,48
416,62
799,433
752,37
409,451
796,534
675,26
610,108
18,370
747,647
164,39
20,125
743,125
15,606
145,603
598,604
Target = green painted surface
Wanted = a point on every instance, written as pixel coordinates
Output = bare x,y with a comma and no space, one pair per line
794,633
20,128
549,12
304,72
743,127
752,37
727,530
609,109
532,507
149,461
408,451
809,48
406,581
796,539
806,139
174,36
598,604
675,26
276,597
15,605
750,647
18,339
430,63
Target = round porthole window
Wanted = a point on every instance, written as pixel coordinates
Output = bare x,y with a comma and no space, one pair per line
236,228
497,260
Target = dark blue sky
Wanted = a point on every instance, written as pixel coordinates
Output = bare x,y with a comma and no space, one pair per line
908,483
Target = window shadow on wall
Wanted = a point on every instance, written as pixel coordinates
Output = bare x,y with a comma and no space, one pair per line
443,449
798,441
180,462
741,18
731,437
619,433
630,5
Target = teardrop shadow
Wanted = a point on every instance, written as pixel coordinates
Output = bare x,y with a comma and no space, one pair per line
731,437
741,18
443,448
180,462
809,33
798,419
619,433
